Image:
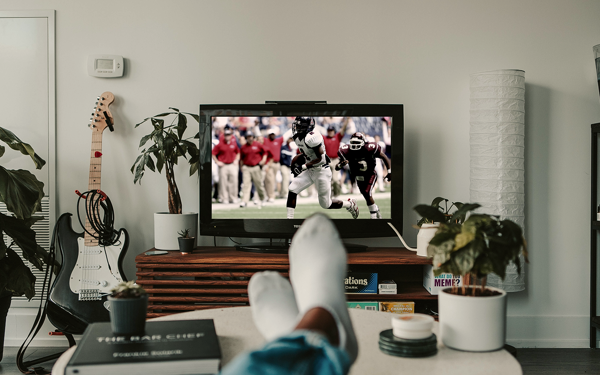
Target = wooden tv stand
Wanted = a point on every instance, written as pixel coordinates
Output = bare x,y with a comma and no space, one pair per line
217,277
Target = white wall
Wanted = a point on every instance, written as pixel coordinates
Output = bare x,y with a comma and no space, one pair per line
418,53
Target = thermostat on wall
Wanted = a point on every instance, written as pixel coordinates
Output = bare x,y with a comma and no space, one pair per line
106,66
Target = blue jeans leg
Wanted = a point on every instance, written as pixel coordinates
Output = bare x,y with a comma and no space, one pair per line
300,353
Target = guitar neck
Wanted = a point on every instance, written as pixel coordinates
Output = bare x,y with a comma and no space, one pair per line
94,182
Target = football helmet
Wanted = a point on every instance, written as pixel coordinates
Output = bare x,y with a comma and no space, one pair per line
357,141
303,125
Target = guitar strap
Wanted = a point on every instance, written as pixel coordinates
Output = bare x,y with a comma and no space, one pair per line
41,317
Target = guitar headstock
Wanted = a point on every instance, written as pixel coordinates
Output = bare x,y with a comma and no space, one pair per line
102,118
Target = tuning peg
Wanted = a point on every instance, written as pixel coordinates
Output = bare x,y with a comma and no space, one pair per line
89,125
98,98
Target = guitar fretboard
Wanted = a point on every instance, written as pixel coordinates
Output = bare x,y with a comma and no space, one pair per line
94,181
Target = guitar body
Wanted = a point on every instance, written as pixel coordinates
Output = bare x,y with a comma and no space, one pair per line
72,310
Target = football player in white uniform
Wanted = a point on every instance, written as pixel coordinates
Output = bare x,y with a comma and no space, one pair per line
312,167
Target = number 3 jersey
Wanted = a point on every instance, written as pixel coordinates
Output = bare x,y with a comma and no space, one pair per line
308,143
361,162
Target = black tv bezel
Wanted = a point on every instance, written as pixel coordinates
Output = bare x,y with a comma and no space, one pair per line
285,228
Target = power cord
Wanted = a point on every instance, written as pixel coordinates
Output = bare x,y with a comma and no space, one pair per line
400,237
102,225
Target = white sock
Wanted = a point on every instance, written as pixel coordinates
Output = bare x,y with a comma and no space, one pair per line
273,304
317,271
373,210
290,213
346,204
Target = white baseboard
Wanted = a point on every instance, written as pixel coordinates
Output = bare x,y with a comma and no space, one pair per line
19,322
548,331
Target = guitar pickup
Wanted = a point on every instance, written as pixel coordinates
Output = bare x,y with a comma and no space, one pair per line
94,267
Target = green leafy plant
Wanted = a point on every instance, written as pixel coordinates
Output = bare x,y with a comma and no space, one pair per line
127,289
168,145
184,233
22,194
480,245
440,212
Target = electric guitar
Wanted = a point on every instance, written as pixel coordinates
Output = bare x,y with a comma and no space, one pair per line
89,270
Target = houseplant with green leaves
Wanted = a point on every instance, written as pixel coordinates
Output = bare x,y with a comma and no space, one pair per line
22,194
473,316
441,210
164,148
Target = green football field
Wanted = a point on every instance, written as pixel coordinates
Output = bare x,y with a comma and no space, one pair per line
277,210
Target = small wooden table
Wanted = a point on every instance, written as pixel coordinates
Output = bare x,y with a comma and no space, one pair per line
237,333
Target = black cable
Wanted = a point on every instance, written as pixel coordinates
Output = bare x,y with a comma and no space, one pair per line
237,243
104,229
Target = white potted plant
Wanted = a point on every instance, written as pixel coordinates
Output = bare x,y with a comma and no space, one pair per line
473,317
434,214
128,307
167,146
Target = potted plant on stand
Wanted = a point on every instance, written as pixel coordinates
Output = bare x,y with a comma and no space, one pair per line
22,194
473,317
128,307
168,145
186,243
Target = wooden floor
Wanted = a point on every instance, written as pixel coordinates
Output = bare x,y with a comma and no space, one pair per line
533,361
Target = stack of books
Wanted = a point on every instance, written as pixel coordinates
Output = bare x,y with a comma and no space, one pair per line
167,347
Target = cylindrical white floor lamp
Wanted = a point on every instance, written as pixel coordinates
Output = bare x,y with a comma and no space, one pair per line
497,139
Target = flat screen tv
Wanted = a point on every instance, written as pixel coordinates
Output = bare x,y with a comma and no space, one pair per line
261,209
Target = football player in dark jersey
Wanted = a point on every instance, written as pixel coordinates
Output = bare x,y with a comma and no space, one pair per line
312,167
361,156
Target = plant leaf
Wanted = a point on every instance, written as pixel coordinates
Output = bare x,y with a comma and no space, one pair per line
2,149
430,213
436,202
18,278
24,237
181,124
21,191
160,161
460,214
150,163
15,143
144,140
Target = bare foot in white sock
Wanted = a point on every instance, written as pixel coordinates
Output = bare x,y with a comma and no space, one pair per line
273,304
317,271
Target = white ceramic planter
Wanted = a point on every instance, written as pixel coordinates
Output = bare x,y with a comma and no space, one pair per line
425,235
475,324
167,225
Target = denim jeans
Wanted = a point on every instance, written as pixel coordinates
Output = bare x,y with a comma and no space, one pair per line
300,352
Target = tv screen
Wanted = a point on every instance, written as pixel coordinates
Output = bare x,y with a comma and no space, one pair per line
265,168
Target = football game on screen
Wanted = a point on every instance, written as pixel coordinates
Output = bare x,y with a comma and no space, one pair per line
292,167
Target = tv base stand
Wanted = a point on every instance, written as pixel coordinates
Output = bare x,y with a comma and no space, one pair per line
217,277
